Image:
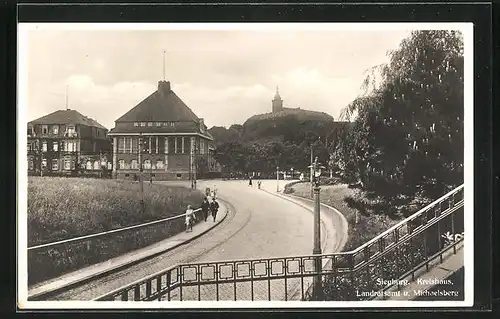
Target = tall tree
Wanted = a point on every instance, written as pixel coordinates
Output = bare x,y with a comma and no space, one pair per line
407,136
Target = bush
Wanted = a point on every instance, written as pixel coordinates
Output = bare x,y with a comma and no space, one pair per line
63,208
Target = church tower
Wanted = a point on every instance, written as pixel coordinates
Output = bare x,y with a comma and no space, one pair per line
277,102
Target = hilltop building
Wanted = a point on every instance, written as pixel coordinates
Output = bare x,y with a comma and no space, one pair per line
277,110
162,138
65,142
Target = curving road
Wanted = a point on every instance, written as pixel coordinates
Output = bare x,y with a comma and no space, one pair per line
259,225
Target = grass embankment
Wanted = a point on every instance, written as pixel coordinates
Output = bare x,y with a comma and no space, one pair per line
63,208
359,233
391,266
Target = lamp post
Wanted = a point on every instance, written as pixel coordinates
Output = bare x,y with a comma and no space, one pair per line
141,182
277,179
311,172
317,285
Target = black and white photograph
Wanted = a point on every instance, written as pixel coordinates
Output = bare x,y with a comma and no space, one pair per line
220,165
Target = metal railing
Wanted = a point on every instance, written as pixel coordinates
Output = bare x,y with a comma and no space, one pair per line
370,267
70,254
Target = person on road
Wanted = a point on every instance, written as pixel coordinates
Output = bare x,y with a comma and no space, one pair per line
205,207
190,217
214,208
250,181
258,184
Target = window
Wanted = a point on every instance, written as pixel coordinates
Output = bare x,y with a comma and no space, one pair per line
88,165
29,146
70,131
44,146
70,146
44,163
96,165
45,129
55,146
187,145
147,164
121,145
158,123
159,164
110,166
135,164
121,164
150,123
126,144
178,145
136,123
143,124
31,163
55,129
67,164
30,130
55,165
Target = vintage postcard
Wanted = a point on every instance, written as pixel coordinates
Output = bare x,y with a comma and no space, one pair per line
245,165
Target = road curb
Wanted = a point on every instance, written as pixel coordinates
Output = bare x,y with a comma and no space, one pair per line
52,291
294,198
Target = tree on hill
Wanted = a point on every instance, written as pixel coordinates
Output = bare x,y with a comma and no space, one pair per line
407,139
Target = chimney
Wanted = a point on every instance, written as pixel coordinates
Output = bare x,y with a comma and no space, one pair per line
164,87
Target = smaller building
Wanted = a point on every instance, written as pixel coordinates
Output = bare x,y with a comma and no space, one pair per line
66,142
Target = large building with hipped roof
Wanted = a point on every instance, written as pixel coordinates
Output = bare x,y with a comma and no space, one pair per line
163,138
67,142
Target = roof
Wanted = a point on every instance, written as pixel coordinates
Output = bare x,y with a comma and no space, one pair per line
157,130
161,105
67,117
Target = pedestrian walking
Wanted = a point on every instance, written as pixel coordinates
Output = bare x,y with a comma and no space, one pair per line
189,218
258,184
205,207
214,208
250,181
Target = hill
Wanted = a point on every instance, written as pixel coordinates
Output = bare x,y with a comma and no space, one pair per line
288,125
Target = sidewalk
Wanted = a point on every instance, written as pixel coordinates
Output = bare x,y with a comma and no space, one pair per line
129,258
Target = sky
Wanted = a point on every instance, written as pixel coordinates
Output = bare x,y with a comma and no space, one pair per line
224,76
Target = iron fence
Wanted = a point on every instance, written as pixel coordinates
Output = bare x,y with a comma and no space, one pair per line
373,266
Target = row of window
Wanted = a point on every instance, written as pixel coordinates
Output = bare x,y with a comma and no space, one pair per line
69,146
157,124
68,164
158,145
54,129
146,164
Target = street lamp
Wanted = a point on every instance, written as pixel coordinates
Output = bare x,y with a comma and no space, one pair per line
277,179
141,145
317,286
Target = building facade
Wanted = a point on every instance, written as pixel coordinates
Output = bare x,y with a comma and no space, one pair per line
66,142
161,138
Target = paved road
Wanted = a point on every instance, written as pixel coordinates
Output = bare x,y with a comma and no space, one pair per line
263,226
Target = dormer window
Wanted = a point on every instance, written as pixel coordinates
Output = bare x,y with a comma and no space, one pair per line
158,123
150,123
143,124
55,129
45,129
136,123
